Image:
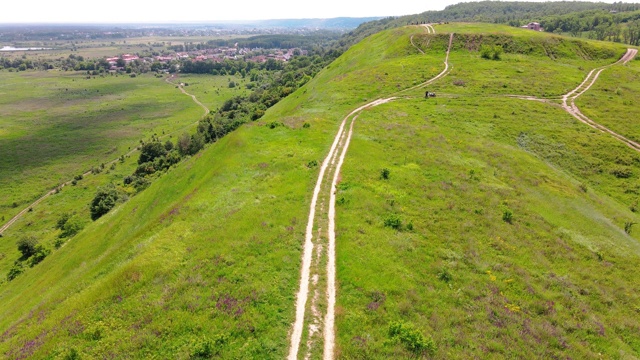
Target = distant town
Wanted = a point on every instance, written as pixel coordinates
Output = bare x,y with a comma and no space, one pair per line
216,55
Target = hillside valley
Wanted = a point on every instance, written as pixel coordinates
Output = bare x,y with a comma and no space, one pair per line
360,218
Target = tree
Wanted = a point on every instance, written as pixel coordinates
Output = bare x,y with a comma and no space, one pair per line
184,143
27,246
151,151
105,199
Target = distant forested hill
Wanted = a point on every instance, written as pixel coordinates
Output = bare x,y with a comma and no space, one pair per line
617,22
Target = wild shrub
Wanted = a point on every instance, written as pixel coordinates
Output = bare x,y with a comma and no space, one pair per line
621,172
16,269
393,221
311,164
62,220
384,174
72,355
507,216
40,253
207,348
411,338
72,226
150,151
627,227
491,52
27,246
105,199
445,275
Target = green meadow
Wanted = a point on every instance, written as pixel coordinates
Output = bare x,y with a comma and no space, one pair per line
503,228
611,101
56,125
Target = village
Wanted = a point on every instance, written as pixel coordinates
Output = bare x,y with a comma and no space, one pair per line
215,55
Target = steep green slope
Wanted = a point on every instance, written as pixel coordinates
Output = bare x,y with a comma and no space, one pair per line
500,231
206,261
210,253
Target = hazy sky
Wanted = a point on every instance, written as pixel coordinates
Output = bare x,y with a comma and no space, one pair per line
83,11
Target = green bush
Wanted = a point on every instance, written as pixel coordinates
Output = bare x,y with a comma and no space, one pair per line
507,216
384,174
411,338
491,52
27,246
393,221
105,199
40,253
621,172
15,270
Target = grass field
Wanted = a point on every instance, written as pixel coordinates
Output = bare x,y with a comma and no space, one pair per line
69,124
611,101
56,125
505,230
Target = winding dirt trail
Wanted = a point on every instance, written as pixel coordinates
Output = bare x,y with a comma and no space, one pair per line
569,105
312,274
181,87
87,173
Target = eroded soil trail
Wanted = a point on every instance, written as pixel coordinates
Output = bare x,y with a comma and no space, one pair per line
87,173
314,274
181,87
569,105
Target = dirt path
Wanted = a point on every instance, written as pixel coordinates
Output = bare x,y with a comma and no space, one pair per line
437,77
181,87
87,173
569,105
312,274
430,30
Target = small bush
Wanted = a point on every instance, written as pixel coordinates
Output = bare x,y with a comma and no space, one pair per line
72,355
58,243
40,253
491,52
393,221
627,227
384,174
207,349
105,199
507,216
15,270
306,125
312,164
622,172
445,276
411,338
27,246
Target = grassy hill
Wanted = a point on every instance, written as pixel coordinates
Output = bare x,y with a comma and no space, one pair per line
499,232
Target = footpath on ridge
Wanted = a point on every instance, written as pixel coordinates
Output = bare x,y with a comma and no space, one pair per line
321,248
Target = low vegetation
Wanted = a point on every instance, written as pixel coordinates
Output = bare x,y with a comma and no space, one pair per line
465,228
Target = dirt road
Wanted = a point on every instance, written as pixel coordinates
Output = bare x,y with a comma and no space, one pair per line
312,274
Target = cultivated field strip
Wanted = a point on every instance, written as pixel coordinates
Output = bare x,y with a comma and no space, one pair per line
87,173
313,275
